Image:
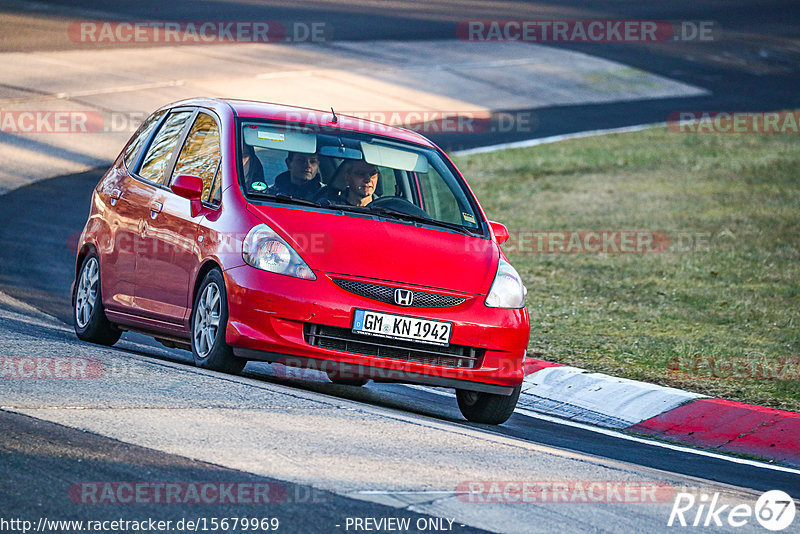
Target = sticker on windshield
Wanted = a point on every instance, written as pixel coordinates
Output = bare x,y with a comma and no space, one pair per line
259,186
271,136
468,217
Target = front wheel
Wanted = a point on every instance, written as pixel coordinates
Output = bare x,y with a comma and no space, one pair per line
209,321
487,408
88,314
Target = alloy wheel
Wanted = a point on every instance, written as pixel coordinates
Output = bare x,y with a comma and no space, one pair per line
206,320
86,295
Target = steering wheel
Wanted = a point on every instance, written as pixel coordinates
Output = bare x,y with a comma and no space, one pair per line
399,204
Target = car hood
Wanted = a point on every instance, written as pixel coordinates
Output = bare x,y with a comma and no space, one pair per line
383,249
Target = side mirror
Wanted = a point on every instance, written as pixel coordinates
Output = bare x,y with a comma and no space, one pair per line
190,187
500,231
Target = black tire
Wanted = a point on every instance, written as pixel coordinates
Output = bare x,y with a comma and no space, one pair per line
210,351
487,408
88,315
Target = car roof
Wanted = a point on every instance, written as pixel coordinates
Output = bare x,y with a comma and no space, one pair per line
266,110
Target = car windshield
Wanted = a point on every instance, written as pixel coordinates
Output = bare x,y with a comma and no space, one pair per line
349,171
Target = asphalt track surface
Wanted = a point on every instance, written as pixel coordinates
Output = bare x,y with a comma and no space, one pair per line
39,224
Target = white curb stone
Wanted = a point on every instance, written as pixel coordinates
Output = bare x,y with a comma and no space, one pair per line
598,399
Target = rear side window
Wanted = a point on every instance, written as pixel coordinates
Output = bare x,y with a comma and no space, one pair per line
157,158
140,137
200,154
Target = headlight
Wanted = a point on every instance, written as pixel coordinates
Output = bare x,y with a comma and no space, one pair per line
507,290
266,250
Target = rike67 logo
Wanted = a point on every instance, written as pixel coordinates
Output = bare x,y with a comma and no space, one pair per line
774,510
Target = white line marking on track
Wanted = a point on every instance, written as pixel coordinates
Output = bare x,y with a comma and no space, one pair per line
93,92
554,139
628,437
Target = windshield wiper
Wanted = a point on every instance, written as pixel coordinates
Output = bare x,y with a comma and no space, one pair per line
297,200
428,220
401,214
342,207
283,197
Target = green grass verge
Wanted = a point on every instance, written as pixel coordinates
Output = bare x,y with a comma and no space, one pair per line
718,313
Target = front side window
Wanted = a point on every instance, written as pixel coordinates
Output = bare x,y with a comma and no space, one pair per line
439,198
354,172
160,151
140,137
200,154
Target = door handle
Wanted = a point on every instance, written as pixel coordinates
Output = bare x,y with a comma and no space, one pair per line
115,195
155,209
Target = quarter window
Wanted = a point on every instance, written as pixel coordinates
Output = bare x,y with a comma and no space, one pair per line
141,136
158,156
200,154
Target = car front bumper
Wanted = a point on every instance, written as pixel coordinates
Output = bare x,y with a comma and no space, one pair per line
283,319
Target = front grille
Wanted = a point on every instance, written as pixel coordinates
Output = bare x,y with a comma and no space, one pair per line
422,299
345,340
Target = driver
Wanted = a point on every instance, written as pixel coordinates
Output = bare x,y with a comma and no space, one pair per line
301,179
361,179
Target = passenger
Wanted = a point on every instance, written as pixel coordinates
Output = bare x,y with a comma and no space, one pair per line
253,170
302,178
360,178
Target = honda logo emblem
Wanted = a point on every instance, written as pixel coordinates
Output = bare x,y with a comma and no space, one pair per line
403,297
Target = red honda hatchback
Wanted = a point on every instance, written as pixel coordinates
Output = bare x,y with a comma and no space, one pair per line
250,231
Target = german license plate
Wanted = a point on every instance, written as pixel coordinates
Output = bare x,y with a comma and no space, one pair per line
374,323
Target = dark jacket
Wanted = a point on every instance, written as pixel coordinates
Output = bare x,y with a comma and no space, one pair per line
284,185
